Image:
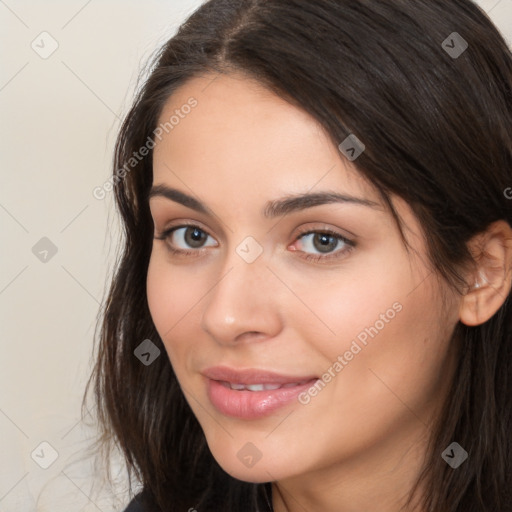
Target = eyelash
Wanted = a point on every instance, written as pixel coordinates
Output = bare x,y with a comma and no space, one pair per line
307,256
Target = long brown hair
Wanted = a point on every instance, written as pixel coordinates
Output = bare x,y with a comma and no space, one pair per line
436,121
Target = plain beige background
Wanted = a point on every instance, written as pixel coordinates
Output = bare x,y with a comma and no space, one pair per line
60,114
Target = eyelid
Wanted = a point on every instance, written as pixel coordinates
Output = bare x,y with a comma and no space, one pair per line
176,224
162,214
323,228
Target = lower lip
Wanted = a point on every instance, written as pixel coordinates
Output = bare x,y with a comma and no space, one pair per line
251,405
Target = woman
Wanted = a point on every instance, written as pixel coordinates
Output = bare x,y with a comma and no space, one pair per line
312,308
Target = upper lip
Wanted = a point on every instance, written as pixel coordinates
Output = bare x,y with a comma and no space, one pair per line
252,376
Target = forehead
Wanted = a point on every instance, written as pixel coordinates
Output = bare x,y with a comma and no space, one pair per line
244,136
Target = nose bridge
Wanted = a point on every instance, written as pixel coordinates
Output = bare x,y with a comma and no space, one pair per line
242,300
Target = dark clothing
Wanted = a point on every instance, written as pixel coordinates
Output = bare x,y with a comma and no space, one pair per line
136,505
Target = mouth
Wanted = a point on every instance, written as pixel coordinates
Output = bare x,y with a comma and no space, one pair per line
261,387
252,393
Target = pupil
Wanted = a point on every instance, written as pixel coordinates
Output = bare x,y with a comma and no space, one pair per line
326,242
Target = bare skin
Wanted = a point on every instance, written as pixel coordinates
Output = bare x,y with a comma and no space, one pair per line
360,440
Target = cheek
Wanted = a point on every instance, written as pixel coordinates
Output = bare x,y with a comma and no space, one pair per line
392,370
343,302
389,329
173,297
161,293
350,304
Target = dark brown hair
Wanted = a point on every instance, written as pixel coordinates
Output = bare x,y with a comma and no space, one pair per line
437,128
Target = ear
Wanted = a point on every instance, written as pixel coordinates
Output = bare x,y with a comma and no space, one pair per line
490,283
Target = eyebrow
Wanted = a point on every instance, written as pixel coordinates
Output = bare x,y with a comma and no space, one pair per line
274,208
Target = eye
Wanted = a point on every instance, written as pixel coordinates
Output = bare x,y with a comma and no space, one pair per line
180,239
324,244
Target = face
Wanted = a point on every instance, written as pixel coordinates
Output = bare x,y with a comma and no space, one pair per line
301,331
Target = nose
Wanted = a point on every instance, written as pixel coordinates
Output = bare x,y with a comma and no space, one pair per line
244,304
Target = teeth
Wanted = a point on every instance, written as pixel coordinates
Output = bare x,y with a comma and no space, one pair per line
261,387
255,387
270,386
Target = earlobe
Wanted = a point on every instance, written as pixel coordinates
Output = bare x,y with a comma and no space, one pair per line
491,283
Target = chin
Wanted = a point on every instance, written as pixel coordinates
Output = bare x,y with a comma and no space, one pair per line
248,464
249,476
